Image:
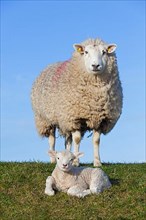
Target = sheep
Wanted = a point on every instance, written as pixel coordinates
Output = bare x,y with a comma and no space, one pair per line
76,181
81,94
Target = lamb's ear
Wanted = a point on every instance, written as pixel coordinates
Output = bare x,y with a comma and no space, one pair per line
52,153
79,48
111,48
79,154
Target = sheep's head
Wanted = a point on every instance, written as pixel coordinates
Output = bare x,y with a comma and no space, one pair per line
64,159
95,55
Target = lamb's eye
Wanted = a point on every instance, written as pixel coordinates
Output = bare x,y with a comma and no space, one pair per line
103,52
86,52
58,158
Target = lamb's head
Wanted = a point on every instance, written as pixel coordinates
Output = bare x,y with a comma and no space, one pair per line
64,159
95,54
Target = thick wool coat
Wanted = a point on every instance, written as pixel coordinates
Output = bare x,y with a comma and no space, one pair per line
67,97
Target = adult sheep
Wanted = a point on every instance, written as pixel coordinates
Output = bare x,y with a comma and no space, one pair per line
79,95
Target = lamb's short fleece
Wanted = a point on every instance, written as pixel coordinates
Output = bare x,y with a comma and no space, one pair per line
76,181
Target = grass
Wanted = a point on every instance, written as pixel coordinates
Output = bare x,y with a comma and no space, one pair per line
22,194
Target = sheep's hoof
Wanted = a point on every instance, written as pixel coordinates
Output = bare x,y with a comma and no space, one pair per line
76,163
97,164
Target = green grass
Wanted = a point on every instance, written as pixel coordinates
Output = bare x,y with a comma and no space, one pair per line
22,194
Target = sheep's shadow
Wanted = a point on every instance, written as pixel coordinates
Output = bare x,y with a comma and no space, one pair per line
115,181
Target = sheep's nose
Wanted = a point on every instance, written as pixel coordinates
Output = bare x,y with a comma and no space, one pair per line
64,165
96,67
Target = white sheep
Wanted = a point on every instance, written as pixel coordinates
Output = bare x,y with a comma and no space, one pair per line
79,95
76,181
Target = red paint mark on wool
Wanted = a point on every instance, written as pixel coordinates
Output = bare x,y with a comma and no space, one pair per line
59,71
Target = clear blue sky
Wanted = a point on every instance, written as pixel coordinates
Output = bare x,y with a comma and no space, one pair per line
37,33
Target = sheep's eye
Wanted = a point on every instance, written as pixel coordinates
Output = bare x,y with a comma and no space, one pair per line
86,52
103,52
71,159
58,158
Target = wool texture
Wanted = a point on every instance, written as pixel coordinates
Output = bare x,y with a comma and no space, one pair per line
82,177
66,97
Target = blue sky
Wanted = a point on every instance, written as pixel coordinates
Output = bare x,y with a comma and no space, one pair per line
37,33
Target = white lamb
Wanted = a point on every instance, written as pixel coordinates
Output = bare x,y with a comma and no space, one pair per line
76,181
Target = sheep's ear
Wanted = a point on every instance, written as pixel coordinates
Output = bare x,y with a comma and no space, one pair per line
111,48
79,48
52,153
79,154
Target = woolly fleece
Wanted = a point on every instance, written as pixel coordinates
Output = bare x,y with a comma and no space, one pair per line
67,97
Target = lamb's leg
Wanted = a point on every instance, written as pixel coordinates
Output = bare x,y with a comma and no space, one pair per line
96,141
99,181
68,142
49,186
76,136
78,191
52,142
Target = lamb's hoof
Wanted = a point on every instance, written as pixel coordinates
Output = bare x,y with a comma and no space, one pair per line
49,192
95,190
76,163
84,193
97,164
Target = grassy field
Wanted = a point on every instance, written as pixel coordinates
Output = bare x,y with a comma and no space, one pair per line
22,194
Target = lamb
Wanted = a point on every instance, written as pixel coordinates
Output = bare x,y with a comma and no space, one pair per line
81,94
76,181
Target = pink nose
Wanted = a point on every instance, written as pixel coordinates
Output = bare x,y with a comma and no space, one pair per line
64,165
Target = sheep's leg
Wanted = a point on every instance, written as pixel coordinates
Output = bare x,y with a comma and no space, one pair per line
76,136
78,191
49,186
68,142
52,143
96,141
